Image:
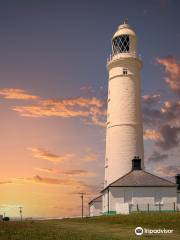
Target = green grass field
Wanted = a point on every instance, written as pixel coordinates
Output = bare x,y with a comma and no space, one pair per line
97,228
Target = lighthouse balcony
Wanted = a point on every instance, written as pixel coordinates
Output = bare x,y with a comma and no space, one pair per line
118,56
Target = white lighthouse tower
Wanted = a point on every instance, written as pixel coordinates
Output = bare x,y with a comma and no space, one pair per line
128,187
124,136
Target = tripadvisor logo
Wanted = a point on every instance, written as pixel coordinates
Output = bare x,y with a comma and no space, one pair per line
139,231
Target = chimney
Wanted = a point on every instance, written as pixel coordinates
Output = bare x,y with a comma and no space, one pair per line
136,163
177,177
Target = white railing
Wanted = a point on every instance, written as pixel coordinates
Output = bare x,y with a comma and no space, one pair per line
113,57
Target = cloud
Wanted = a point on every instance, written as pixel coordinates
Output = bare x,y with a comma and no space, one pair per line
78,186
168,170
166,138
90,157
87,89
46,180
5,182
169,137
48,170
152,116
78,172
157,157
91,109
15,93
165,118
72,185
39,179
151,134
44,154
151,99
172,69
72,173
169,111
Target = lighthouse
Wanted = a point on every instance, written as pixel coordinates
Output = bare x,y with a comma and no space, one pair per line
127,186
124,133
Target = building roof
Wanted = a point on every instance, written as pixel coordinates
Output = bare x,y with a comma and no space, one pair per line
141,178
97,199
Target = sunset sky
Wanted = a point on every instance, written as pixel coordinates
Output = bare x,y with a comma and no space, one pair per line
53,90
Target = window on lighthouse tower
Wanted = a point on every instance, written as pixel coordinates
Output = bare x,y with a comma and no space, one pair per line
121,44
125,71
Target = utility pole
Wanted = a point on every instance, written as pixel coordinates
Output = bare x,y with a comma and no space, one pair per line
4,214
20,212
82,204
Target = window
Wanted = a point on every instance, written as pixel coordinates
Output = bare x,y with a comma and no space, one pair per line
127,197
125,71
121,44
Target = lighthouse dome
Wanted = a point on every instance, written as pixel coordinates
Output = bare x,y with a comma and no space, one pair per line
124,41
124,28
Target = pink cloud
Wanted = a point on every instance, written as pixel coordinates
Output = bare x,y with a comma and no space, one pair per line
172,69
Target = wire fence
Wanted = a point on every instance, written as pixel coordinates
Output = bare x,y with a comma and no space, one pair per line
157,207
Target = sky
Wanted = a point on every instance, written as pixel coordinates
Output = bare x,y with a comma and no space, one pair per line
53,90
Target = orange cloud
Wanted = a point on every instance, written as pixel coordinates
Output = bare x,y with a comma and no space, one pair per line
5,182
172,68
46,180
44,154
92,109
15,93
48,170
39,179
90,157
151,134
78,172
73,184
72,173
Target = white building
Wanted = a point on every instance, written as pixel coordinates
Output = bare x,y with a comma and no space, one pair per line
127,186
139,190
95,206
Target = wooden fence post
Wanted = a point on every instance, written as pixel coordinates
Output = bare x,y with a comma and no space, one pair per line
159,207
137,207
174,205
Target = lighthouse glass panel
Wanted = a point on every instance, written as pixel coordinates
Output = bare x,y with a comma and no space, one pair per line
121,44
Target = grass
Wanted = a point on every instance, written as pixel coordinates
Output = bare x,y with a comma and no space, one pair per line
96,228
